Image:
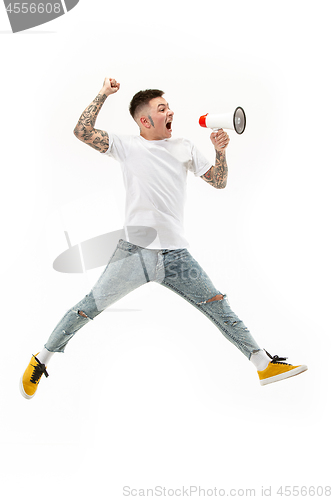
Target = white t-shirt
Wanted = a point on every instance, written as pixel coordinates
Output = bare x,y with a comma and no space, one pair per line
155,175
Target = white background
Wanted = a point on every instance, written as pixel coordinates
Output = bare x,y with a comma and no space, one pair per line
150,393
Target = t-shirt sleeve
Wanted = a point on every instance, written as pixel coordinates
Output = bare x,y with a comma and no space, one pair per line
119,146
199,164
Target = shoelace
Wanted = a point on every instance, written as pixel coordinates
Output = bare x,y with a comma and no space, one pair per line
276,359
38,371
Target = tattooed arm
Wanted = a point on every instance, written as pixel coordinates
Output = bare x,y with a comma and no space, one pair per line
85,128
217,175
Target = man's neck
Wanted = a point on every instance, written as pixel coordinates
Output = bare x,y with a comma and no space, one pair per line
150,137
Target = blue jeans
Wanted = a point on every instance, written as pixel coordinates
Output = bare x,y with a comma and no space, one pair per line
130,267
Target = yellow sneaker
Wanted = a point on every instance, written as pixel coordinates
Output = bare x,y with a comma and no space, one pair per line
31,377
277,370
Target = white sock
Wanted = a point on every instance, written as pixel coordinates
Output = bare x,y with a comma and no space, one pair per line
44,356
260,360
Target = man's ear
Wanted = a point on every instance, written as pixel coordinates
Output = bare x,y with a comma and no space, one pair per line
145,122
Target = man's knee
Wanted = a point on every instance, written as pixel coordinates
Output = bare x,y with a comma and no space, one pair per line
81,313
217,297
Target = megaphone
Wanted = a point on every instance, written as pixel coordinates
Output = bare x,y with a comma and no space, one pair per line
235,120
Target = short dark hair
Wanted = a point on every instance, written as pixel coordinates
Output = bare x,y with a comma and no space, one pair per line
142,98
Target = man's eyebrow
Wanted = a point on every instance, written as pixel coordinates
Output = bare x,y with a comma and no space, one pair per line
162,104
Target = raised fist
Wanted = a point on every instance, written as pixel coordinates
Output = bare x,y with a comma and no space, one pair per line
110,86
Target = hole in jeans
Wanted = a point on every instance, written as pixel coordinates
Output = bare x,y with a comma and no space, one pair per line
81,313
217,297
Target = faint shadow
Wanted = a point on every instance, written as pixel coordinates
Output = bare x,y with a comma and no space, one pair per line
122,310
27,32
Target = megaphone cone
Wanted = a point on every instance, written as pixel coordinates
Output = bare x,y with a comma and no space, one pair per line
235,120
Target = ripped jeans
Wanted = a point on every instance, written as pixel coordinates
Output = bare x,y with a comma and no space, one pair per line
130,267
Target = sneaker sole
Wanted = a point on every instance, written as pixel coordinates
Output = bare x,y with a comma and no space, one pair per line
282,376
24,394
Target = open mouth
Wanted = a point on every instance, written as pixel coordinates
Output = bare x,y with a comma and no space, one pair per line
168,125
